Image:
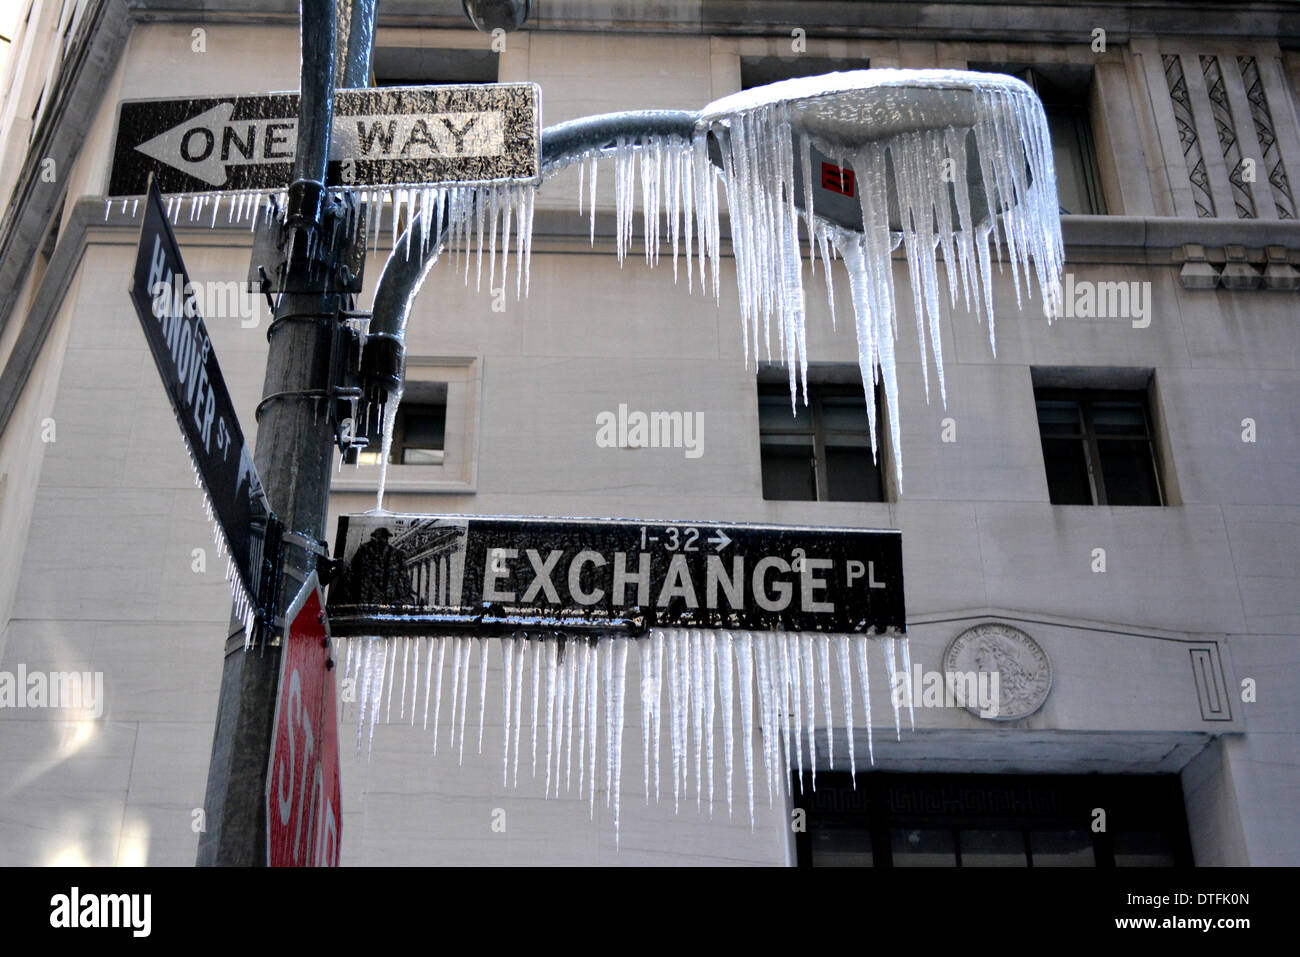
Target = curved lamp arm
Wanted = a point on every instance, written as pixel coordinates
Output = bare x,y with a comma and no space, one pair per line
384,359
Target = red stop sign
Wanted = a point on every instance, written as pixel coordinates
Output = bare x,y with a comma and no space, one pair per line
304,813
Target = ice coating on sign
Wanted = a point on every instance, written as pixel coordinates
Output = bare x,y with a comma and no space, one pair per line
711,681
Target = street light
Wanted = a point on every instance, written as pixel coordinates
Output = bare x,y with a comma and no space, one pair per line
489,15
871,160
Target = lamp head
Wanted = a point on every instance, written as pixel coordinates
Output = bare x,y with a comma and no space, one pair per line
489,15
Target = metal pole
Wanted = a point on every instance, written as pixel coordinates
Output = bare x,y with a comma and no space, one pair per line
294,449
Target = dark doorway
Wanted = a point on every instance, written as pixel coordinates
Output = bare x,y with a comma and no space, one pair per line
991,820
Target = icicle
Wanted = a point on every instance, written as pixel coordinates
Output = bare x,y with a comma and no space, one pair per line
464,698
895,693
766,700
807,665
745,673
561,692
520,651
657,703
728,717
648,692
907,680
406,660
824,674
697,711
437,693
592,203
455,689
710,675
537,674
392,680
674,727
864,678
592,698
609,720
508,664
846,698
482,687
376,690
583,694
790,662
552,650
571,666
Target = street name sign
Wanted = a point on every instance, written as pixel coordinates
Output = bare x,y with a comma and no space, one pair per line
381,138
304,807
420,568
182,350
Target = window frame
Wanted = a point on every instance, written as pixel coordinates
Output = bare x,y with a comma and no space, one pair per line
457,474
399,445
1063,95
1085,398
817,391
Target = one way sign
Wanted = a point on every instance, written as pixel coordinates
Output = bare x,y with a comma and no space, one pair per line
382,138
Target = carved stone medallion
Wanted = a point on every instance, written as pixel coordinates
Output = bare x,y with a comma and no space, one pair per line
1004,659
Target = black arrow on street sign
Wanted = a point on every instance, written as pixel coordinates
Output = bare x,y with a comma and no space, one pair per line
383,138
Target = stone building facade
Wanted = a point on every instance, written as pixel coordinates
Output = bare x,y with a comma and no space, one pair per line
1170,627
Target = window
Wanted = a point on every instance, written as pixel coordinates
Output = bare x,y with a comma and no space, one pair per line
822,452
435,433
1064,91
762,70
419,429
420,66
1097,447
986,820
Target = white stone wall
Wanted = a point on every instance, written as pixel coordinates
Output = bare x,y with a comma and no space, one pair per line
101,572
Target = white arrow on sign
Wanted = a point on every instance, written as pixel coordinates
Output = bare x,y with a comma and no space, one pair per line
205,145
720,540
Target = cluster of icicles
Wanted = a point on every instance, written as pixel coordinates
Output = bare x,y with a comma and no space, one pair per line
681,207
487,212
758,168
758,144
575,691
244,609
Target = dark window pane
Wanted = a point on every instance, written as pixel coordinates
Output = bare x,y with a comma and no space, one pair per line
1143,849
424,427
841,845
1059,417
846,413
922,847
1072,154
1067,472
775,414
1128,472
1062,849
993,848
851,476
819,450
1119,418
788,470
